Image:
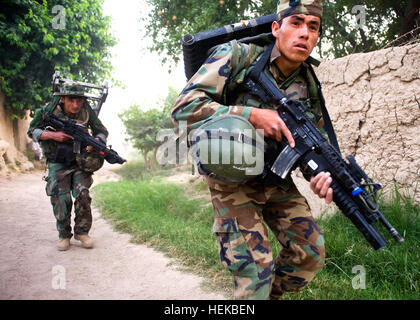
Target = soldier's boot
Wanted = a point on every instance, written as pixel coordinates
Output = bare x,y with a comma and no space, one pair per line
63,244
86,241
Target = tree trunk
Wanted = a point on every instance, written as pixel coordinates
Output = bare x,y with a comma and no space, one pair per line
154,160
346,35
146,162
411,19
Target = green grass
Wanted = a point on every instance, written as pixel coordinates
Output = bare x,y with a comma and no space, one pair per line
135,169
160,214
391,273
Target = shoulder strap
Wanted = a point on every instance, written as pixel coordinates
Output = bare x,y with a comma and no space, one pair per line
327,120
49,107
262,61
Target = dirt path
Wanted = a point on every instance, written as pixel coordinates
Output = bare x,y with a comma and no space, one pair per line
32,268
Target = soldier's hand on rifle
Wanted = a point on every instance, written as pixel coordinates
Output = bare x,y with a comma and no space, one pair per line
90,148
58,136
273,126
320,185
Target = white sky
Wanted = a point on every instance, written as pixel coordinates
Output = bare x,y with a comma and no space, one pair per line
146,80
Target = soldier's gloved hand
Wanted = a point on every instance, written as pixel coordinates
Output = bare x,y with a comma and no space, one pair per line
90,148
273,126
320,185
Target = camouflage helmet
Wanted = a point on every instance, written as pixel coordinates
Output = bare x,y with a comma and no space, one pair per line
228,148
287,8
89,161
70,90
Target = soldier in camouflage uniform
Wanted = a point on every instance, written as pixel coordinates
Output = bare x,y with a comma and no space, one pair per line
240,210
65,178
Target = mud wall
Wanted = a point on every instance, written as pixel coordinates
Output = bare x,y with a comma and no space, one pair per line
374,103
13,142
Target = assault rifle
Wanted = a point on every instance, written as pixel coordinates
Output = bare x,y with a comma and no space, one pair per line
82,137
353,191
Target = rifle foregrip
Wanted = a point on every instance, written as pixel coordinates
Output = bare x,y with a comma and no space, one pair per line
349,208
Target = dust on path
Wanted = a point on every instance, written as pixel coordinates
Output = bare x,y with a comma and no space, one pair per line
32,268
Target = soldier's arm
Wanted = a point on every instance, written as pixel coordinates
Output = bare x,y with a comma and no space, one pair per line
36,126
37,132
203,96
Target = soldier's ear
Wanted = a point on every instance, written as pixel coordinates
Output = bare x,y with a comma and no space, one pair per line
275,28
62,99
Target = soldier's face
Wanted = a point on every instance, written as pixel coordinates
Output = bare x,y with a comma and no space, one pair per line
296,37
72,105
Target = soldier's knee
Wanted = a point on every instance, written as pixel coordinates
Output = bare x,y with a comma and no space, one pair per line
83,197
322,255
61,199
318,253
314,255
62,205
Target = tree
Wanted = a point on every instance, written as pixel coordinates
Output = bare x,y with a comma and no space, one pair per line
366,25
343,32
143,126
39,37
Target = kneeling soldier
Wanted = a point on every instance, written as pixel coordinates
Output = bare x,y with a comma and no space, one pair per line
242,210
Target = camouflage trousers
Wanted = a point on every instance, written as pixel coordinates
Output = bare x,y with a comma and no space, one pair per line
62,182
241,215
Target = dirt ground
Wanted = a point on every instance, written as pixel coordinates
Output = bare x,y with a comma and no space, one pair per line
32,268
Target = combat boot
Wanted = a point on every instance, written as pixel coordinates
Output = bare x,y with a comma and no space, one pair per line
63,244
86,241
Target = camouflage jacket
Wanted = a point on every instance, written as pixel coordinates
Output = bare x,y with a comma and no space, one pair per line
85,117
217,88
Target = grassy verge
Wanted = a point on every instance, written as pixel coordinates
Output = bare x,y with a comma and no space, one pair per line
390,273
161,215
135,169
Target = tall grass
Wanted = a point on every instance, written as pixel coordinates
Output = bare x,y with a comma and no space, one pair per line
135,169
161,215
390,273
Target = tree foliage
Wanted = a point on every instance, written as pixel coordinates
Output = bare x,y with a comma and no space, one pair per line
366,25
384,21
142,126
36,38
